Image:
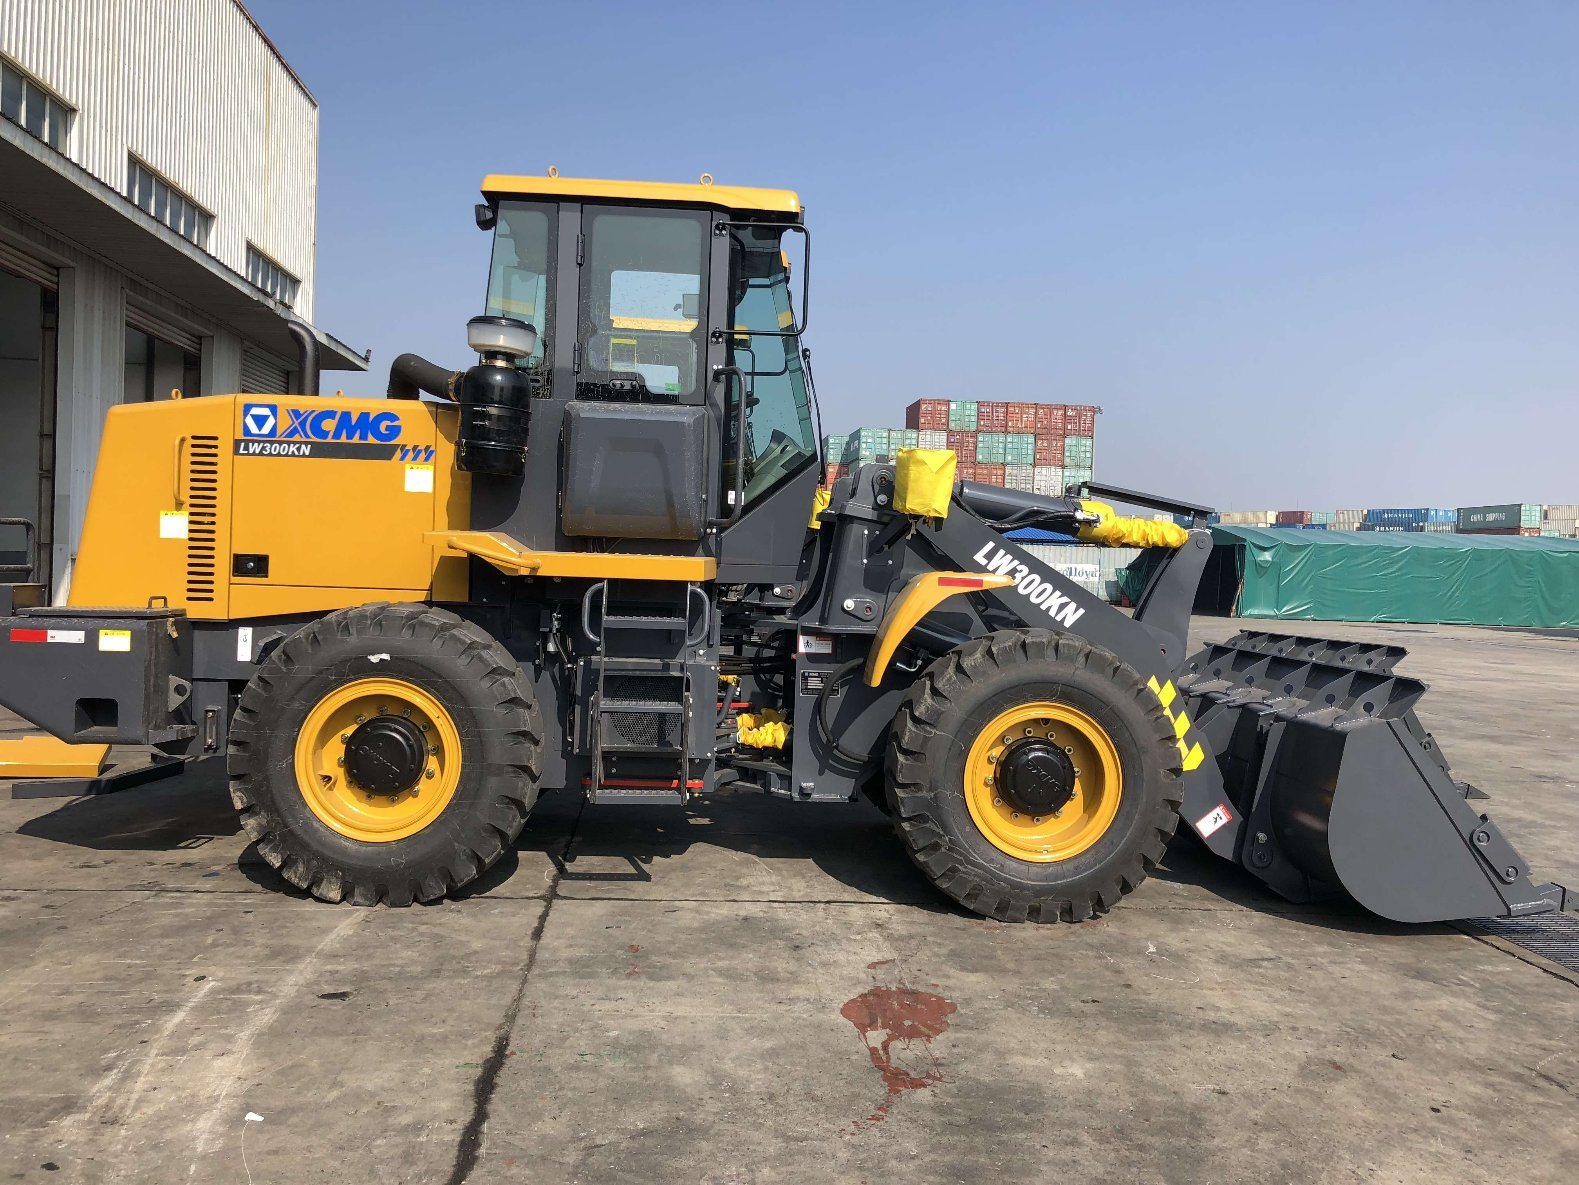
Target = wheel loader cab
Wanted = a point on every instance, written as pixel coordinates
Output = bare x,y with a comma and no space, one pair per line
671,412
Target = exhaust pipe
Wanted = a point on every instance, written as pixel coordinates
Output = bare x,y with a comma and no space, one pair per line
306,357
411,374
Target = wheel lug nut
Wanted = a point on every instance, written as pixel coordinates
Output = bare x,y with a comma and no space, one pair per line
361,719
1038,818
1014,814
992,758
1007,737
429,774
340,761
345,737
997,802
407,713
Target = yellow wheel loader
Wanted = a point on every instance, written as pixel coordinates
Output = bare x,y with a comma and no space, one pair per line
598,562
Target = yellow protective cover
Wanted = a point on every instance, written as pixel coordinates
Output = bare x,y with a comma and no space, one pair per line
1117,531
924,481
819,503
764,729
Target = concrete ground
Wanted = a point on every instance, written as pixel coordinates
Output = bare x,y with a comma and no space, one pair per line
759,991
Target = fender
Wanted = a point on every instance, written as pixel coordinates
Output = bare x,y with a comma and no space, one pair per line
923,594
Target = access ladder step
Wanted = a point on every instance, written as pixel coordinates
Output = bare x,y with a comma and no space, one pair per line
641,792
644,621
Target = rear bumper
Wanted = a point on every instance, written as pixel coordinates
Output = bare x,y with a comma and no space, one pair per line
115,677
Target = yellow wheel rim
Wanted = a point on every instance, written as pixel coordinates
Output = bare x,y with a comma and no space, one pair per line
330,792
1084,819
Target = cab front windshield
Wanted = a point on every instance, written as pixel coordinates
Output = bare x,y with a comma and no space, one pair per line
780,437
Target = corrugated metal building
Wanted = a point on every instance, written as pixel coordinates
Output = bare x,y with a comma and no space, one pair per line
158,213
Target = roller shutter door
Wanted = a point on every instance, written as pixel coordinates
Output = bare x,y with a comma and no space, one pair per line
262,374
156,326
21,264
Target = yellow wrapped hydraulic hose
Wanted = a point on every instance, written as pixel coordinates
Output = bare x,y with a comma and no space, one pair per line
924,481
1114,530
766,729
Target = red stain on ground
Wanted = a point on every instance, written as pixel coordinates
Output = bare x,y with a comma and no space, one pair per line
879,964
633,949
631,969
897,1025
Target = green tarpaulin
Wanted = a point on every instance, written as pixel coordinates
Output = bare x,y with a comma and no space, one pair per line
1404,576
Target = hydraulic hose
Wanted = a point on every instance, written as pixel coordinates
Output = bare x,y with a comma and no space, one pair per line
825,697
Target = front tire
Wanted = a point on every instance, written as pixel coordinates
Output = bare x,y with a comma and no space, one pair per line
387,753
1083,827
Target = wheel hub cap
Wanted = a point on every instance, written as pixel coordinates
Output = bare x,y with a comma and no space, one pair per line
386,755
1036,777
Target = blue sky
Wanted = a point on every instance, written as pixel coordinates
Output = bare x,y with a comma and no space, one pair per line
1302,255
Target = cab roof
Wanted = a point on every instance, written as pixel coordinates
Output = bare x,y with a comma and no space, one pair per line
732,197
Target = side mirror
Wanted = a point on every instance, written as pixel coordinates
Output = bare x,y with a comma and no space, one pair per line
487,216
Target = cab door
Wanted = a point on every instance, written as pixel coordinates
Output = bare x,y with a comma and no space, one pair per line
770,453
640,447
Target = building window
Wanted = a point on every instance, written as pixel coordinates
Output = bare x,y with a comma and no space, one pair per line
40,113
153,194
271,277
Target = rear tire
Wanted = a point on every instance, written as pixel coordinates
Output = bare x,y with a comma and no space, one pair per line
1069,693
461,727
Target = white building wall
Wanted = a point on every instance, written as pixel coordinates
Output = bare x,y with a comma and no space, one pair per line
194,90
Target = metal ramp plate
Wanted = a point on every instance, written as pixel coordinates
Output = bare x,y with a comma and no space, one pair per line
1553,936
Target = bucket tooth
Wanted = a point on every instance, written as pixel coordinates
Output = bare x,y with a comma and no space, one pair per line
1341,788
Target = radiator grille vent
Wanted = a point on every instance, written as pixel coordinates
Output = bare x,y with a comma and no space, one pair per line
202,506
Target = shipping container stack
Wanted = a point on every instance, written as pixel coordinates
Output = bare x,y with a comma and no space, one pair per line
1509,518
1418,519
1039,447
1248,518
1561,521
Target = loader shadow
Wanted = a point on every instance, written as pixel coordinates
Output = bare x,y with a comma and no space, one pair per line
261,873
739,845
179,814
734,845
1188,862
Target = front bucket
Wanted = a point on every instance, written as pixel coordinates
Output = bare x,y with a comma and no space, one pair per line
1342,790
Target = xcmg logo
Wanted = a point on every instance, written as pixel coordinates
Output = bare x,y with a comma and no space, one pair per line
261,421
